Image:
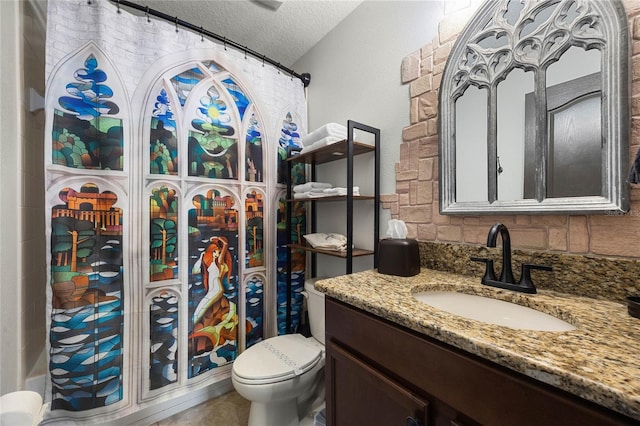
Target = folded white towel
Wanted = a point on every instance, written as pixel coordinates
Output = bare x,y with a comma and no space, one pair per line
329,241
311,186
341,191
322,142
330,129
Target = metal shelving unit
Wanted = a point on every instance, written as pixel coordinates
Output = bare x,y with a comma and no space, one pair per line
342,150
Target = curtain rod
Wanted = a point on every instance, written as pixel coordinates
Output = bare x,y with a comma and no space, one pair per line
305,77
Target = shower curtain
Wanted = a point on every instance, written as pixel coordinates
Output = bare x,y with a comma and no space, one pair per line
165,208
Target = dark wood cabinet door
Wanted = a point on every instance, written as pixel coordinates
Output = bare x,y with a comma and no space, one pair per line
360,395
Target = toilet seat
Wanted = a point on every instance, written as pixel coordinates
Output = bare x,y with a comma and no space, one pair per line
276,359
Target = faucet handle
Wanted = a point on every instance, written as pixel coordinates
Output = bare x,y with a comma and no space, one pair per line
525,277
489,273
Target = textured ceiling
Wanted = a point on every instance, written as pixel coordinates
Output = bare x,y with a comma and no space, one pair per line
282,30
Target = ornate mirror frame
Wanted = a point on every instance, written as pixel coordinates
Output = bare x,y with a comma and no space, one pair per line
598,25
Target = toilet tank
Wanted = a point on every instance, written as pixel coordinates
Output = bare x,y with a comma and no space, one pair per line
315,306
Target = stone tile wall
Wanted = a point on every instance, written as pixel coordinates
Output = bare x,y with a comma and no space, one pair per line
416,197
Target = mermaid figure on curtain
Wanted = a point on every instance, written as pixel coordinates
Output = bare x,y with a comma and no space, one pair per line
215,318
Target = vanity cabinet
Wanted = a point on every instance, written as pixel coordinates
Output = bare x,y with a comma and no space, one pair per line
380,373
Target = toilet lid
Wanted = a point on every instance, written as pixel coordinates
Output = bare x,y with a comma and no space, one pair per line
277,359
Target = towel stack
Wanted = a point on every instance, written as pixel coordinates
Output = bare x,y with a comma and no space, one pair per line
325,135
320,189
310,190
338,190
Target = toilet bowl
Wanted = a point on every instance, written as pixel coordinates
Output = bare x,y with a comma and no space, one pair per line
283,376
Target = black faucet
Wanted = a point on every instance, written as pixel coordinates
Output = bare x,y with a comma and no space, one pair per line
507,281
506,276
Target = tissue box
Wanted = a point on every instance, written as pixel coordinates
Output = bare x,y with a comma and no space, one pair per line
398,256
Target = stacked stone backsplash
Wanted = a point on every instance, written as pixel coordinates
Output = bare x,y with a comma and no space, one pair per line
592,255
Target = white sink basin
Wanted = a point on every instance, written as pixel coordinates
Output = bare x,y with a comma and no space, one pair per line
492,311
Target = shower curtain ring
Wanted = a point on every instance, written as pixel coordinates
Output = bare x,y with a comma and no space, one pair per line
263,60
224,41
146,13
201,34
176,24
245,52
118,5
279,67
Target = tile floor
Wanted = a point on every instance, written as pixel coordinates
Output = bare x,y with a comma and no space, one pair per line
229,409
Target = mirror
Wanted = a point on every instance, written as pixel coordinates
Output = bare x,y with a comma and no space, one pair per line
534,110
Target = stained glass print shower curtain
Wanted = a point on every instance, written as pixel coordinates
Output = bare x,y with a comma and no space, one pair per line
163,198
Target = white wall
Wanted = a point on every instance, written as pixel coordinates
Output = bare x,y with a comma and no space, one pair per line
23,280
32,176
10,45
355,74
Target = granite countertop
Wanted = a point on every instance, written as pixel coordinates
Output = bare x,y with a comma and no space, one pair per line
598,361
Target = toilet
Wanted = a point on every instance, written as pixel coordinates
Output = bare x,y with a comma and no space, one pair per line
283,376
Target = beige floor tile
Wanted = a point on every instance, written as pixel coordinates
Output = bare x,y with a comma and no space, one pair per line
229,409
